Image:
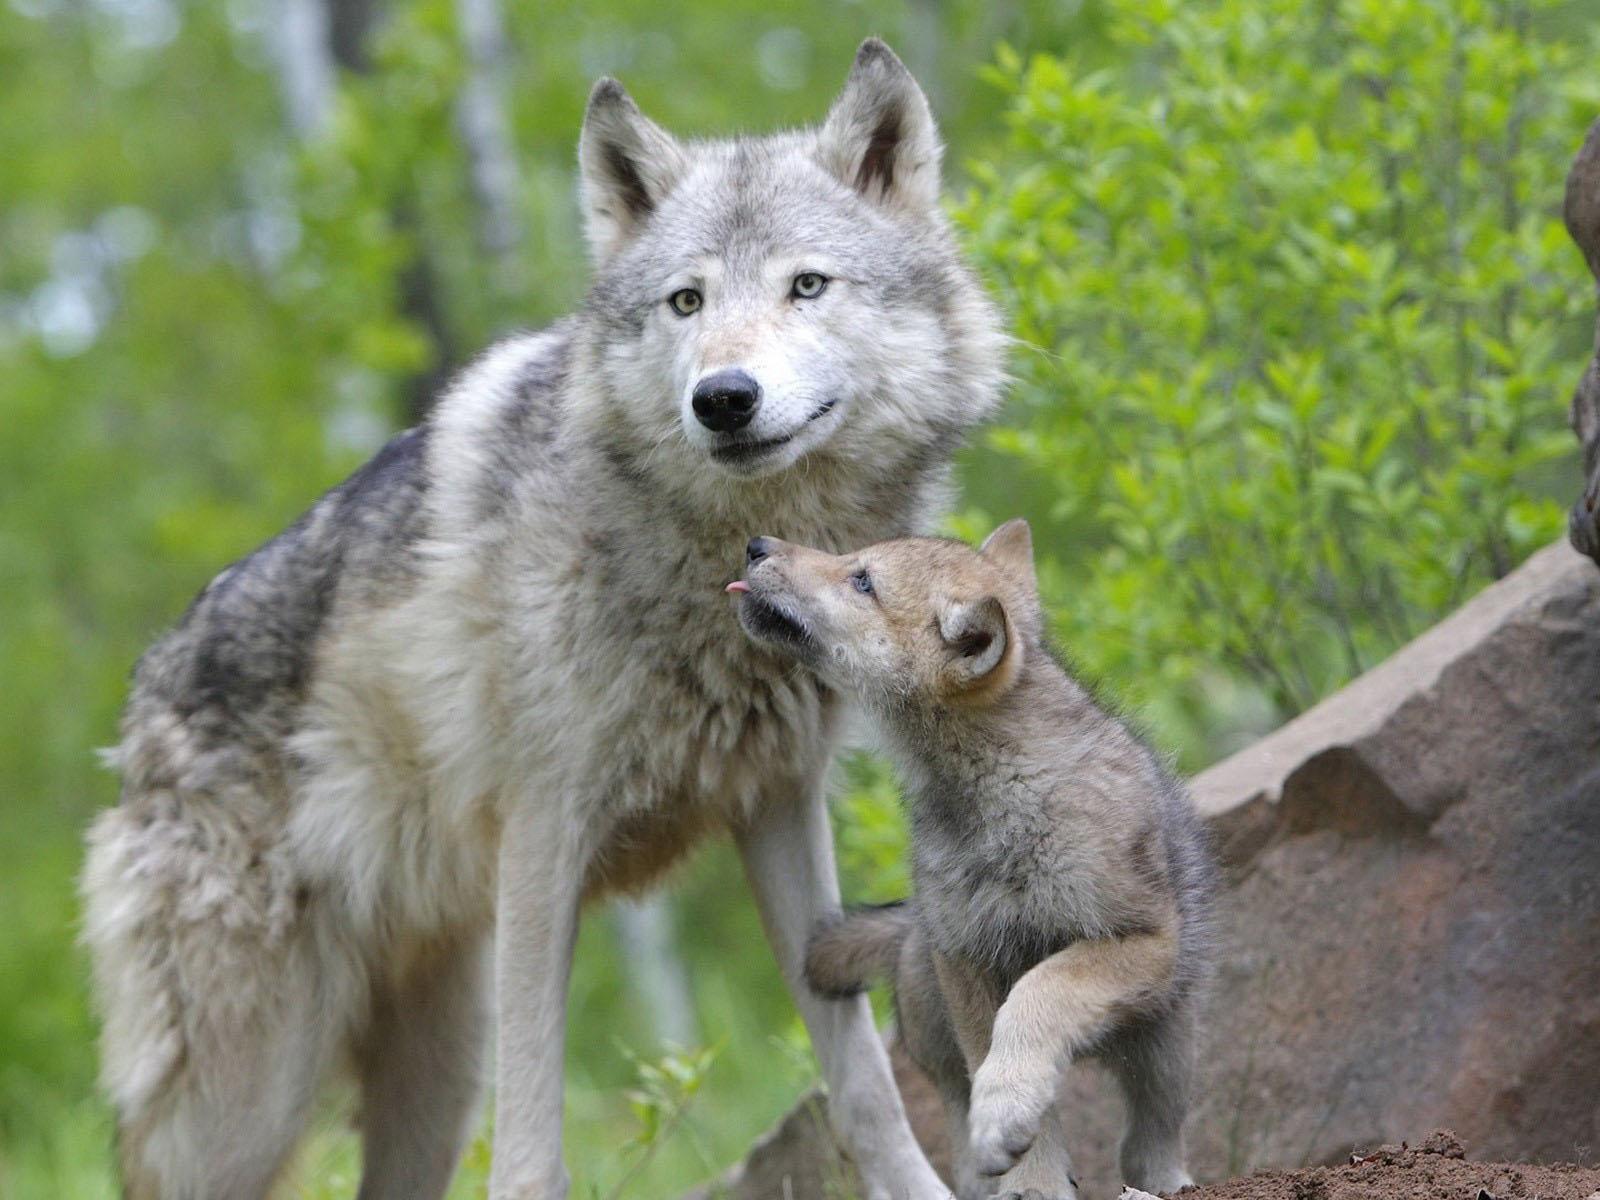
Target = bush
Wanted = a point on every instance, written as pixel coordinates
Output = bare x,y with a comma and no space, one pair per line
1299,319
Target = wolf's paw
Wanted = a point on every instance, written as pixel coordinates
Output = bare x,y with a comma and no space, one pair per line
1030,1194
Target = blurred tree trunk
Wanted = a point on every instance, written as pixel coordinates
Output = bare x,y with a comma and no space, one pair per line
925,25
350,23
655,970
305,67
485,125
315,39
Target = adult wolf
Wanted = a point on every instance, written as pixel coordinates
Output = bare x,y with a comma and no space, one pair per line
493,674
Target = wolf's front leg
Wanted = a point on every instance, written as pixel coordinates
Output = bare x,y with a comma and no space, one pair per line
542,859
788,856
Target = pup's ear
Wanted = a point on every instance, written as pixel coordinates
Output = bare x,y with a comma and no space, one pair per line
1010,548
879,137
977,637
626,164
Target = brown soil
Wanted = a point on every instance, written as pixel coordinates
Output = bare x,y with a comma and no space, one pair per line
1435,1170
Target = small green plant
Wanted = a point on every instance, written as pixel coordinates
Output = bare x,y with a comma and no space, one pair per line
664,1091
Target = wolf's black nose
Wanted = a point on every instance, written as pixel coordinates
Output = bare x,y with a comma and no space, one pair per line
758,549
726,400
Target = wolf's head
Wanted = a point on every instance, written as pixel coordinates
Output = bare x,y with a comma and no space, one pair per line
926,621
764,301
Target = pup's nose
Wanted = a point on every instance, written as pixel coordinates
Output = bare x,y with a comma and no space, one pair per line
758,549
726,400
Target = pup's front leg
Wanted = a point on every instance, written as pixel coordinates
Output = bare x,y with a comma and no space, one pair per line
788,855
1055,1010
542,858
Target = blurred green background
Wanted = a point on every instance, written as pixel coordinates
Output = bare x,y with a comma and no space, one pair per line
1297,327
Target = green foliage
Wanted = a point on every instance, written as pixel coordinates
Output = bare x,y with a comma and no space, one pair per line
869,833
1302,316
1299,318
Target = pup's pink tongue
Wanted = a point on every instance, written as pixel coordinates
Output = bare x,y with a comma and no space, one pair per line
738,585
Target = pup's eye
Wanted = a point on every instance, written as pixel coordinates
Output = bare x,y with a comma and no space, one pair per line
808,285
685,302
862,582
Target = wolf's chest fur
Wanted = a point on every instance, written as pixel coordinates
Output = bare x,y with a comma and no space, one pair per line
649,719
699,735
593,659
688,714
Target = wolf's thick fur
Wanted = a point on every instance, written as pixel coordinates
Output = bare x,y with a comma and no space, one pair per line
492,673
1063,884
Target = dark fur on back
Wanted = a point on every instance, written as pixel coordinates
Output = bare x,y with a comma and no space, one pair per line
241,657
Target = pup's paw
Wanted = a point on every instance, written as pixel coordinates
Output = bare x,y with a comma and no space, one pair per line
1004,1118
1154,1183
1029,1194
999,1135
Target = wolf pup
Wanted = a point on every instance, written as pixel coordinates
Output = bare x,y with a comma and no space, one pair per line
491,674
1062,883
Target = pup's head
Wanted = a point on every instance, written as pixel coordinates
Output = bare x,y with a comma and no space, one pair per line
920,620
758,300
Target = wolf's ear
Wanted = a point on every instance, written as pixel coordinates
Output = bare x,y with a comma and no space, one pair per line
977,637
879,137
626,163
1010,548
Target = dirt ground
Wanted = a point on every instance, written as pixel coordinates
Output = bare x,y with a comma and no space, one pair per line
1437,1169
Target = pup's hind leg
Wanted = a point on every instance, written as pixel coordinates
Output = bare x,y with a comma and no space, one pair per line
930,1038
1154,1063
1045,1172
420,1064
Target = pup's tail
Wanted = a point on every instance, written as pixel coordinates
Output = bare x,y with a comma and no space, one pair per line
847,954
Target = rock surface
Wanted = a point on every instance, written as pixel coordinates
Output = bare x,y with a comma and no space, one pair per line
1410,927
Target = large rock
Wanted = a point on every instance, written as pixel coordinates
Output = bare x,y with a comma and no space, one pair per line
1410,928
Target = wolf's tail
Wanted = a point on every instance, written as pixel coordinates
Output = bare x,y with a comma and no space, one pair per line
849,953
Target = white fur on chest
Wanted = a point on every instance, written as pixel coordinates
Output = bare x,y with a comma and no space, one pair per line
430,719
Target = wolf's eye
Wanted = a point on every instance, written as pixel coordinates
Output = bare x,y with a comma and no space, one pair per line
685,302
808,285
862,582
